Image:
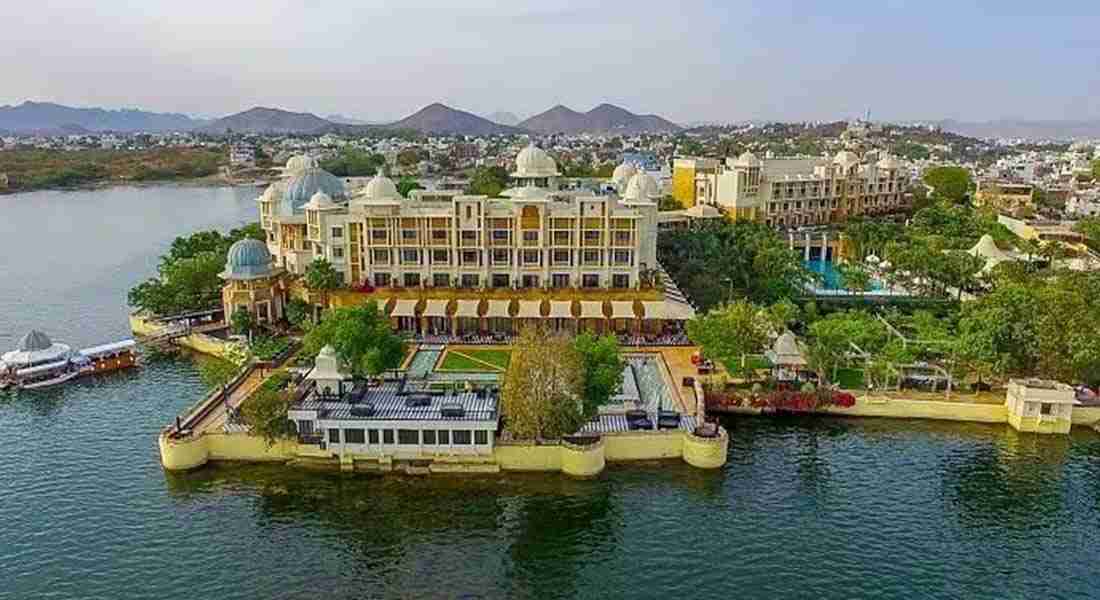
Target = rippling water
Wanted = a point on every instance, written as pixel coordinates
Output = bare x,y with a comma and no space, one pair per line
805,508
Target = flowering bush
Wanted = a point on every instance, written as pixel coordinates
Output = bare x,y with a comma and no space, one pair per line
782,399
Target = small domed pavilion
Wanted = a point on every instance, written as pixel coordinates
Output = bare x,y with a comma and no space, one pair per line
252,282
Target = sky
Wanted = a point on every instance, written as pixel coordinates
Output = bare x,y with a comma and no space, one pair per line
689,61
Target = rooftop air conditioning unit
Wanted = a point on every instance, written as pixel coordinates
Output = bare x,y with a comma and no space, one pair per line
418,400
366,410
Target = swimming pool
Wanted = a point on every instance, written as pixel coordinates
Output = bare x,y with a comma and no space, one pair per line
831,278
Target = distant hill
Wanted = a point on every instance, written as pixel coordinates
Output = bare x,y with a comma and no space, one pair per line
605,118
1031,130
47,117
504,118
268,120
440,119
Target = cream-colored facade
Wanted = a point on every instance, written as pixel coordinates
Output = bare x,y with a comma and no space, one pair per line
793,192
535,237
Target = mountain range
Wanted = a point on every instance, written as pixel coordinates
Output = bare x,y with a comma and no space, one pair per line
35,117
47,117
504,118
605,118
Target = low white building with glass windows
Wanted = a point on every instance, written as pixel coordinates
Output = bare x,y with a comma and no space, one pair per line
398,418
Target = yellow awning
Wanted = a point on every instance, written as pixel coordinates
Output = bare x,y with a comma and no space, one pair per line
404,307
467,308
622,309
498,309
561,309
436,308
591,309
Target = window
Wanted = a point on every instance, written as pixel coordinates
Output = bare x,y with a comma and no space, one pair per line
408,235
387,436
481,437
592,237
530,281
444,437
532,257
502,257
620,281
439,235
441,280
462,437
501,280
382,279
441,257
334,436
562,238
531,237
373,435
469,212
1045,409
559,280
305,427
429,437
500,235
410,257
412,279
590,257
337,232
469,236
590,280
354,436
622,237
621,257
378,235
338,252
561,257
381,257
470,280
470,258
408,436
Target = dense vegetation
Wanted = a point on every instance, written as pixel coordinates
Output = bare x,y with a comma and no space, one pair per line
40,169
353,163
187,276
716,262
361,336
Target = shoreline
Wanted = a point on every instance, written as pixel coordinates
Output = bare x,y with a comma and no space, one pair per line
208,181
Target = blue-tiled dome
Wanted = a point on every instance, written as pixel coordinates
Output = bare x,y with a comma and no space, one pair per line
248,259
303,186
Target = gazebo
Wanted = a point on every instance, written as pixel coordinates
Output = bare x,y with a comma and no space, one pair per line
787,357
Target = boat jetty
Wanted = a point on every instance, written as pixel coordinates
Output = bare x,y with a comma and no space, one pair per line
39,362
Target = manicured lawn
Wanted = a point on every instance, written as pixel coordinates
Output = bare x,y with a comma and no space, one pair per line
487,361
753,362
850,379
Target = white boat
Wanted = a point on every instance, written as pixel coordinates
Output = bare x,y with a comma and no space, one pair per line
38,362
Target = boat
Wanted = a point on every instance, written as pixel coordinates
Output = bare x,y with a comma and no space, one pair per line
38,362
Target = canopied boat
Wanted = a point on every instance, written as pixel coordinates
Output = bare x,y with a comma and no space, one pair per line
39,362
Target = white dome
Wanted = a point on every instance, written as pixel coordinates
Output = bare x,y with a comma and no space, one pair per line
299,163
622,173
320,201
534,162
380,187
642,188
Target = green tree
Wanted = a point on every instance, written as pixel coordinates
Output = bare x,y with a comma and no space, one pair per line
351,162
489,181
361,336
321,276
855,277
949,183
265,411
216,372
729,332
298,312
406,185
543,390
602,364
669,203
242,322
831,340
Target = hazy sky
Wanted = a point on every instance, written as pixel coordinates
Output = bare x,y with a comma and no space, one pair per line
689,61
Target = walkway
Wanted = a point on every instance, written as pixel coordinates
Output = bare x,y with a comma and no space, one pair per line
214,421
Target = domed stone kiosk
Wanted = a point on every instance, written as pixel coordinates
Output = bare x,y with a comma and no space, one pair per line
252,283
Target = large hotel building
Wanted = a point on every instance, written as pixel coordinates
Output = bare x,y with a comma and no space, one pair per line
587,255
792,192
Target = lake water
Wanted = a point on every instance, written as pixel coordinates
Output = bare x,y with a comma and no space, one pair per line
805,508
